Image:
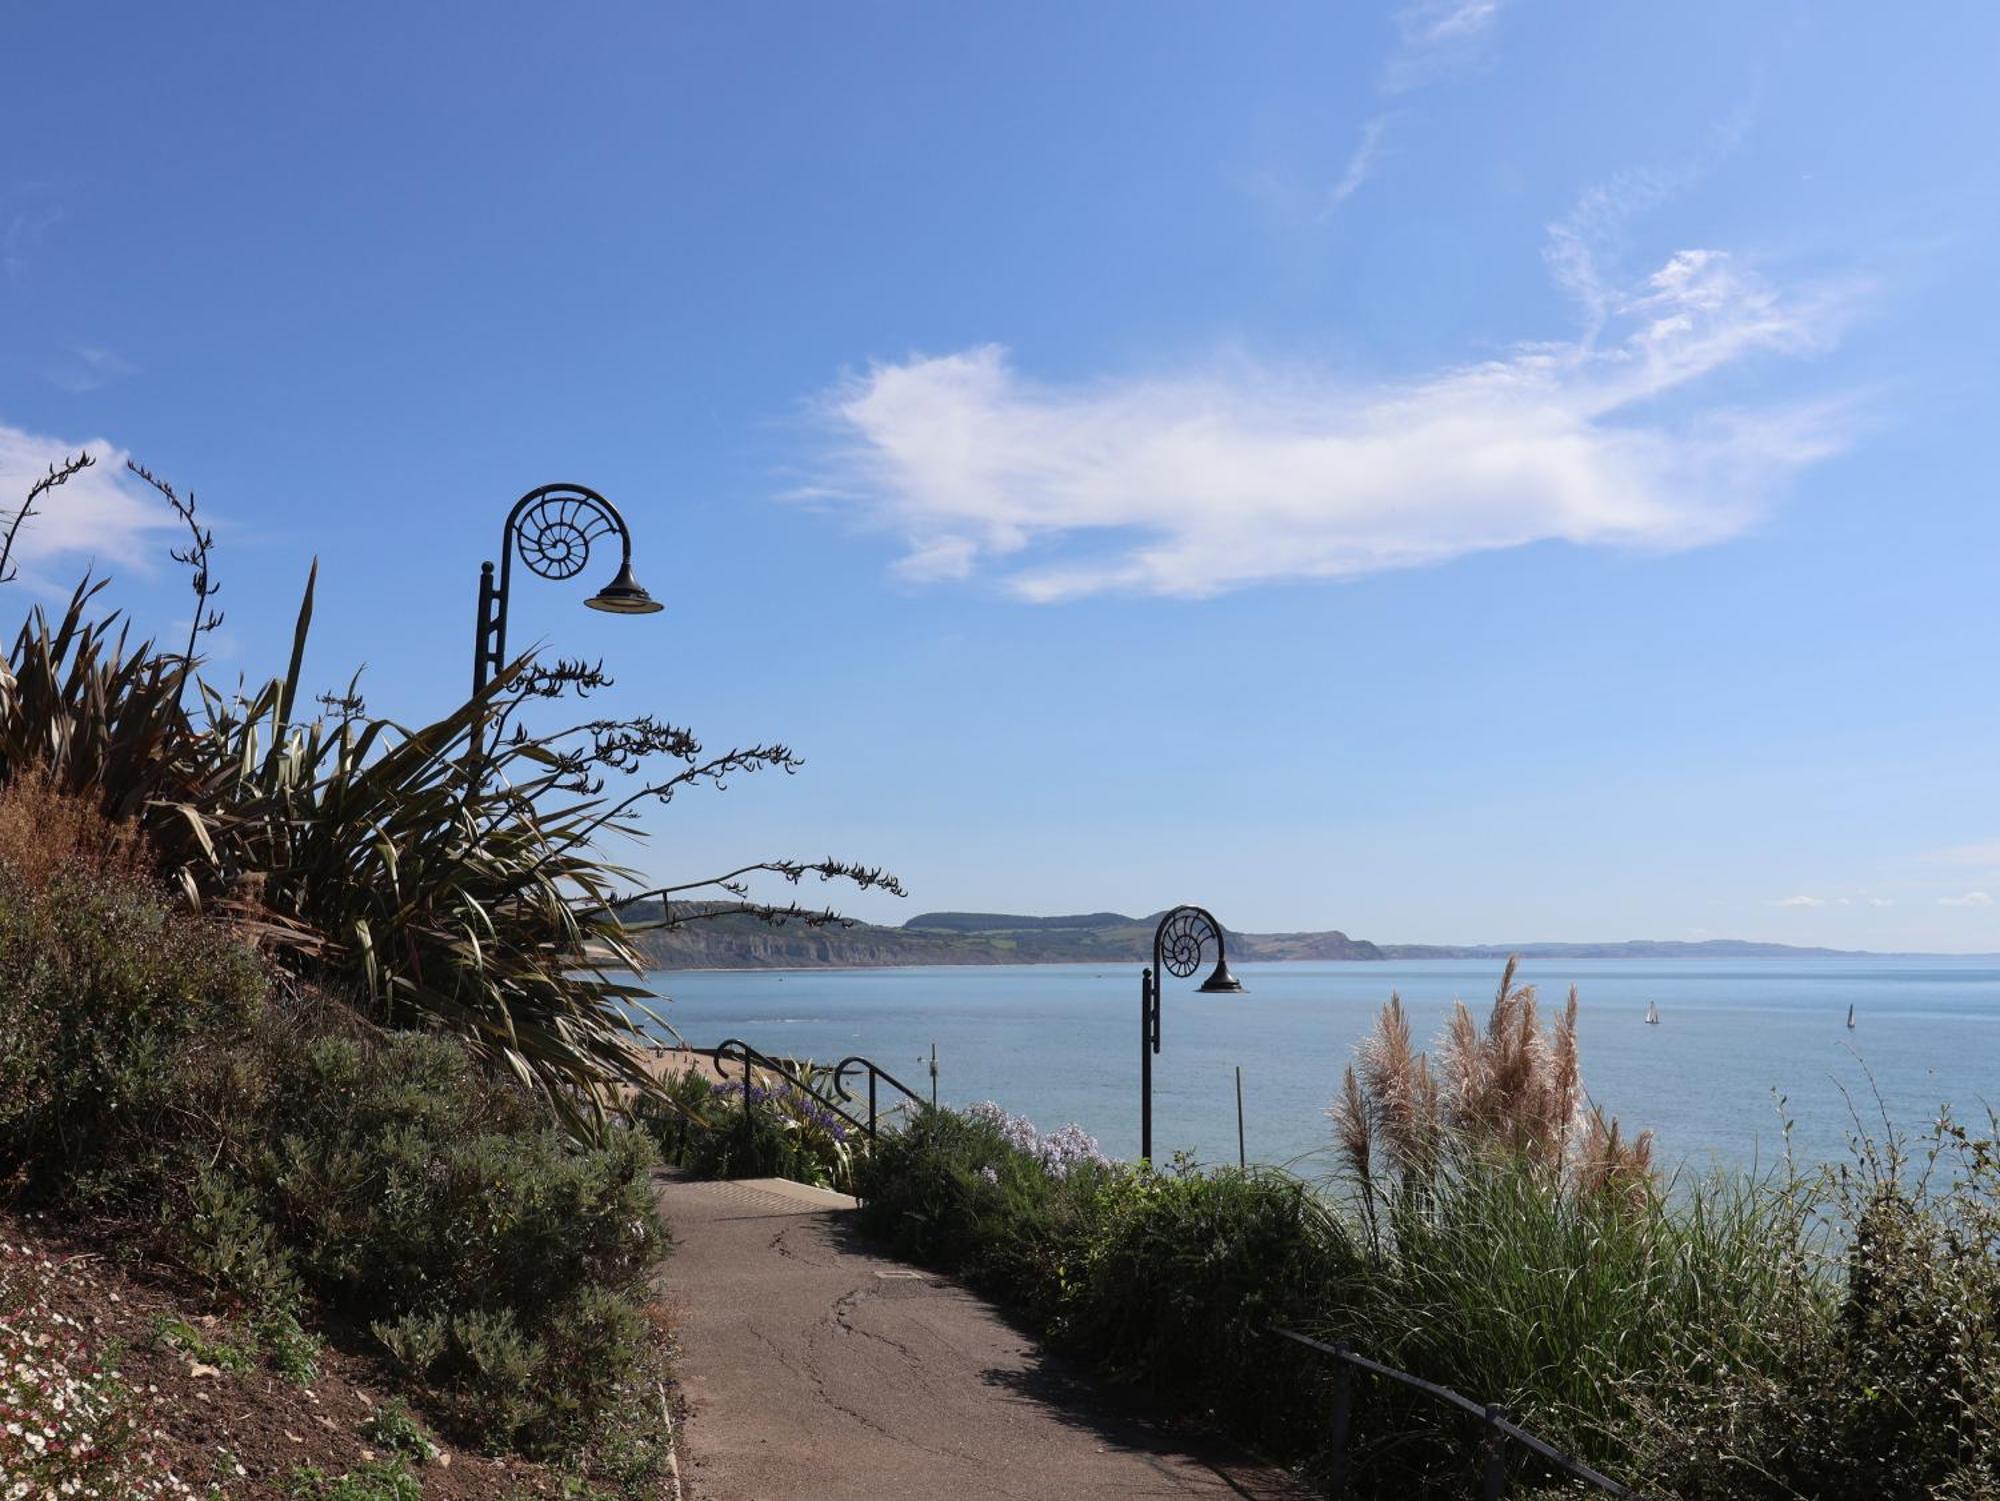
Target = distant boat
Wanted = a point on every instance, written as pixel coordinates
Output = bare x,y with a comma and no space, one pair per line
1652,1014
1850,1017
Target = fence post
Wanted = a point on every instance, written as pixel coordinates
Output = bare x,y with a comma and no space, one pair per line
1495,1449
871,1102
1343,1417
1242,1162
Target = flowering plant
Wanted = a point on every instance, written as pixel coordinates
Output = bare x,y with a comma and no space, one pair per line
1059,1152
818,1140
68,1425
764,1127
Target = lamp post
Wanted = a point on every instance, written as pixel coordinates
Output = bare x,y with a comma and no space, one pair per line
1177,948
552,529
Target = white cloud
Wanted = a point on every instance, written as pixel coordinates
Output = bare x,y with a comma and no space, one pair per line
1436,37
1195,484
1800,901
1881,901
101,513
1970,899
1592,232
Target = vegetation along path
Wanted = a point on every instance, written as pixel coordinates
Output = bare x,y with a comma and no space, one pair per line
813,1368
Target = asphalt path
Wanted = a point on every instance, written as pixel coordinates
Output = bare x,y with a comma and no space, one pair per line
811,1367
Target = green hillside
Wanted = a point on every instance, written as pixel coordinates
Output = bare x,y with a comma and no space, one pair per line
739,941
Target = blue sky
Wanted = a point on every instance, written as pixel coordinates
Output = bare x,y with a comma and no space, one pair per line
1457,471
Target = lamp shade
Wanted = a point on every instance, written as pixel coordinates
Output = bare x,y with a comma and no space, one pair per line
624,596
1221,982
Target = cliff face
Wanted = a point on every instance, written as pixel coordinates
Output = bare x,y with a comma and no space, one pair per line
1332,944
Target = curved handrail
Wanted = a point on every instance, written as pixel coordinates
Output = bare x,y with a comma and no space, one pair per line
736,1049
751,1059
875,1071
1498,1424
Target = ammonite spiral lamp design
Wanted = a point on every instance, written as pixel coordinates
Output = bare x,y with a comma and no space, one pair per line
1178,944
552,530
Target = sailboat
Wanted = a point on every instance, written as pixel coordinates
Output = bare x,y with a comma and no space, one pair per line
1653,1015
1850,1017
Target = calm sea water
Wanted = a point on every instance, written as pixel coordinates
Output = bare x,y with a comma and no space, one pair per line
1060,1043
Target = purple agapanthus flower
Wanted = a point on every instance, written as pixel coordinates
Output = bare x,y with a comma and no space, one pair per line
1059,1153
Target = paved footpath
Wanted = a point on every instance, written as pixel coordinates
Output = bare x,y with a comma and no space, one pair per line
815,1369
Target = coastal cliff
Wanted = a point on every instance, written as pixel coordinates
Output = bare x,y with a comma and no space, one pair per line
737,941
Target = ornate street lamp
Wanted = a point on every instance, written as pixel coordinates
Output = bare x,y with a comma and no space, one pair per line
1177,948
552,529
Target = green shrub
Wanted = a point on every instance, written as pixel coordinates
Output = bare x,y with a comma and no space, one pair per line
499,1263
308,1167
376,1480
771,1130
294,1350
101,991
1174,1280
396,1428
179,1334
1168,1280
1888,1382
949,1191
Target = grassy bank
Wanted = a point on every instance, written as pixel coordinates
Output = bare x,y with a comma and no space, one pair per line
303,1180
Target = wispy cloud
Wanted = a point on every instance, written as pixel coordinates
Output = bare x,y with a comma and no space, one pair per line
1434,38
1800,901
85,368
1437,37
1587,236
1361,164
29,213
1591,235
1197,483
100,513
1970,899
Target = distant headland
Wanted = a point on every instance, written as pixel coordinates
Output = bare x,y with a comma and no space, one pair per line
738,941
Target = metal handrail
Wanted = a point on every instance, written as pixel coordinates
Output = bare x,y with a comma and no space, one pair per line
751,1058
1498,1425
875,1072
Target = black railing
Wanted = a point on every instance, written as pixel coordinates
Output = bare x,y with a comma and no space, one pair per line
1499,1427
752,1060
856,1061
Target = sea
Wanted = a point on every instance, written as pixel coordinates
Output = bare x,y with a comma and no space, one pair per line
1750,1058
